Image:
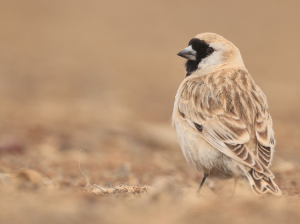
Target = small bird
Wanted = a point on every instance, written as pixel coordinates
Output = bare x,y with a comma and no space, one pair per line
221,116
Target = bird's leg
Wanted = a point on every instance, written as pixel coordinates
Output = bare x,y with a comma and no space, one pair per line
235,185
202,182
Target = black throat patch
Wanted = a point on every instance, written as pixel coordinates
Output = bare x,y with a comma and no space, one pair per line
200,47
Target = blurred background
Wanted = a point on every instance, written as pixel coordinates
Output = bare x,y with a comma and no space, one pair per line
102,76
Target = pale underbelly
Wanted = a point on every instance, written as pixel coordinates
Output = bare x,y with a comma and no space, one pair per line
203,157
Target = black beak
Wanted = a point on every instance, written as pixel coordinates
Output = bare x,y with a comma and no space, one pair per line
188,53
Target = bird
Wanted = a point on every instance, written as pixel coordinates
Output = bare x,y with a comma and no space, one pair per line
222,117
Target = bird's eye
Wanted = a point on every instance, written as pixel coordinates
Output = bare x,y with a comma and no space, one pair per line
209,50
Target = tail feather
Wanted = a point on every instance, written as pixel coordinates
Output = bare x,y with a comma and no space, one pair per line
261,184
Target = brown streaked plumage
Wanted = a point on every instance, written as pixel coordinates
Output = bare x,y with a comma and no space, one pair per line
221,116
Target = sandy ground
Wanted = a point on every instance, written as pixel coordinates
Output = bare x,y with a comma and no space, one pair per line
86,92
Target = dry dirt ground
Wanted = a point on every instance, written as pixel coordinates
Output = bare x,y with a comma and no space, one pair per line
86,92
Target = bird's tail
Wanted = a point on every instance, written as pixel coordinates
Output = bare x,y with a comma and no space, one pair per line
261,184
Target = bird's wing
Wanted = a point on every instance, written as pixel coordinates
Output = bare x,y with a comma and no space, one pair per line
264,131
220,111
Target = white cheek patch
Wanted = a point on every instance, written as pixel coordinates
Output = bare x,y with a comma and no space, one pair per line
215,58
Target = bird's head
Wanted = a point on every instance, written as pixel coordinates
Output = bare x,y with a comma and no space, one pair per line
209,52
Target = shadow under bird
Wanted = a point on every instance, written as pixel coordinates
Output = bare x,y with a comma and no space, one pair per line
221,116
